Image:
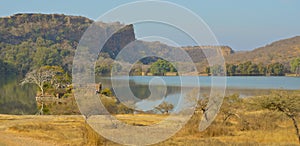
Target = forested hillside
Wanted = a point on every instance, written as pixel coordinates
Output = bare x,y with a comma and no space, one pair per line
30,41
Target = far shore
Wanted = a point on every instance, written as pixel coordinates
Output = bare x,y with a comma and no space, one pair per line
235,75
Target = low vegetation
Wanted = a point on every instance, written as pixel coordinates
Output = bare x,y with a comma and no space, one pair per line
39,49
237,115
287,104
265,120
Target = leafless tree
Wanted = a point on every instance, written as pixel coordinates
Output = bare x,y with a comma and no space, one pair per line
165,107
40,77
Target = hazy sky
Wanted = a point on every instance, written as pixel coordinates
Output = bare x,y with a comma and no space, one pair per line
243,25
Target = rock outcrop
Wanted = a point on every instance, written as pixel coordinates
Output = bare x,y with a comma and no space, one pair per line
197,52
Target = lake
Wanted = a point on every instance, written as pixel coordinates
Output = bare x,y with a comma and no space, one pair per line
244,86
242,82
16,99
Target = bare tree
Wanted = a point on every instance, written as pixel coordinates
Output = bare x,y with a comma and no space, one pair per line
41,111
165,107
40,77
286,103
230,107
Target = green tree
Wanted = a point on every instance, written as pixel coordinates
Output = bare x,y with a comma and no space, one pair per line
252,69
61,77
102,69
160,67
23,60
286,103
47,56
276,69
136,69
6,68
207,70
295,66
240,69
245,67
216,70
230,69
117,67
261,69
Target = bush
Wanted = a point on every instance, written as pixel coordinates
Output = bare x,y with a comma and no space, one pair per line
67,95
106,92
110,104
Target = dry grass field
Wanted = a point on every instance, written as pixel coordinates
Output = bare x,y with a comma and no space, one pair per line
72,130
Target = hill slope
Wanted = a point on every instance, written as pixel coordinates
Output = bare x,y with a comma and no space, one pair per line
33,40
282,51
28,41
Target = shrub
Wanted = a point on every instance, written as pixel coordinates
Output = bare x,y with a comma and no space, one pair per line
106,92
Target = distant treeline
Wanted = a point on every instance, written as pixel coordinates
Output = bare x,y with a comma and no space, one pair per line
158,68
161,67
249,69
6,68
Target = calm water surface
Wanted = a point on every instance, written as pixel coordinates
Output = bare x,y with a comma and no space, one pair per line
245,82
244,86
16,99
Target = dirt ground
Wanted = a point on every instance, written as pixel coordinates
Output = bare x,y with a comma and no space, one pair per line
71,130
41,130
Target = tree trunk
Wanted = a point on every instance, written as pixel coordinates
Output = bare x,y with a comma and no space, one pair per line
42,90
41,110
298,71
227,116
296,127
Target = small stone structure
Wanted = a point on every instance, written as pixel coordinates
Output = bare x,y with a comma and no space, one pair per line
98,88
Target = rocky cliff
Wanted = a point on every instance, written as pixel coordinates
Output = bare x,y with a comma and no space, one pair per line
197,52
119,40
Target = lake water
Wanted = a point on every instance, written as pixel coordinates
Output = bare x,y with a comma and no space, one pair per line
244,86
16,99
241,82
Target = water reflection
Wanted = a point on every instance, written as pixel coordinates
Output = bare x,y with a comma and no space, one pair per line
16,99
139,86
151,94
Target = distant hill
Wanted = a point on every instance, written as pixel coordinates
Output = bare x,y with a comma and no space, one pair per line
197,54
282,51
28,41
32,40
54,27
